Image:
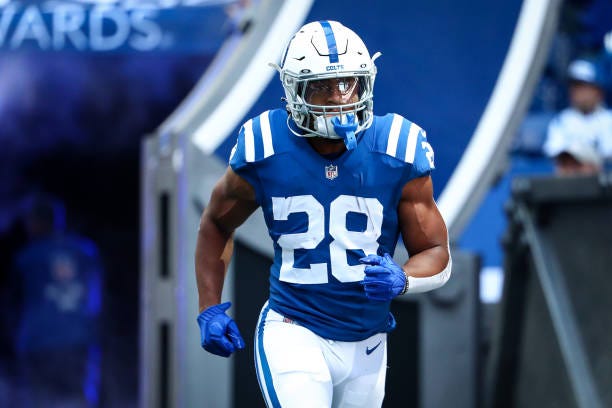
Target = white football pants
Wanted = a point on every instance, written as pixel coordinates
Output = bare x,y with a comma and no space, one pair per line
296,368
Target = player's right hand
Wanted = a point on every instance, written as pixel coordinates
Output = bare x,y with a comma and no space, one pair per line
218,332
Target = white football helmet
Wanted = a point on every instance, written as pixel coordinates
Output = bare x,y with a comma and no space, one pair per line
320,51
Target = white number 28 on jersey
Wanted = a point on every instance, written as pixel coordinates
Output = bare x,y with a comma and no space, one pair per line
343,239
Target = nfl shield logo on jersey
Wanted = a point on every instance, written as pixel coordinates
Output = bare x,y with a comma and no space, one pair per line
331,171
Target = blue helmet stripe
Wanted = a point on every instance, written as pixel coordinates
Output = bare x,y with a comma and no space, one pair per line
331,41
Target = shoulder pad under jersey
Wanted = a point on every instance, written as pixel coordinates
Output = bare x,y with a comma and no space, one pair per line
405,141
255,139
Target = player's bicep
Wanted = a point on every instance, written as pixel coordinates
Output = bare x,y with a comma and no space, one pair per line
422,225
232,201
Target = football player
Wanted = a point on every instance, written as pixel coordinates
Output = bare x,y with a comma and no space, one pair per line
337,186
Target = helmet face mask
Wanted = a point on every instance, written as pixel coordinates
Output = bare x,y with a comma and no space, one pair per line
326,72
348,95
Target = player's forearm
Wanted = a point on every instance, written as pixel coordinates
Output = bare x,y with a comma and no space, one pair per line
429,269
428,262
213,252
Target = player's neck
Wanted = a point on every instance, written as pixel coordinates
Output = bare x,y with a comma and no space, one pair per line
326,147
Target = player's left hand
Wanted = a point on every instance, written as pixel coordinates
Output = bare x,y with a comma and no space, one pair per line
384,279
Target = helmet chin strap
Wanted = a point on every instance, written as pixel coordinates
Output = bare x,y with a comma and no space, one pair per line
339,127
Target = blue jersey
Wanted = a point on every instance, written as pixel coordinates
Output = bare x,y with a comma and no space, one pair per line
324,214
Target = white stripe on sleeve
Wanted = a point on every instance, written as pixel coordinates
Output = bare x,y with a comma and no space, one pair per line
249,141
266,134
413,135
396,126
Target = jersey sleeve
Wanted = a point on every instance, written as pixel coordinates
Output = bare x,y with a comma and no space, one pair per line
254,145
423,162
237,158
407,143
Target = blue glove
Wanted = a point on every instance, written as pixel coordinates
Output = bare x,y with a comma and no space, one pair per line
384,279
346,129
219,333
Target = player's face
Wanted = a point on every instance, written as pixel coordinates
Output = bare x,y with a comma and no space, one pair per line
332,91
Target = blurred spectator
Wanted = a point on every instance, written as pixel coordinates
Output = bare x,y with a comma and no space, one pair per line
56,340
579,138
